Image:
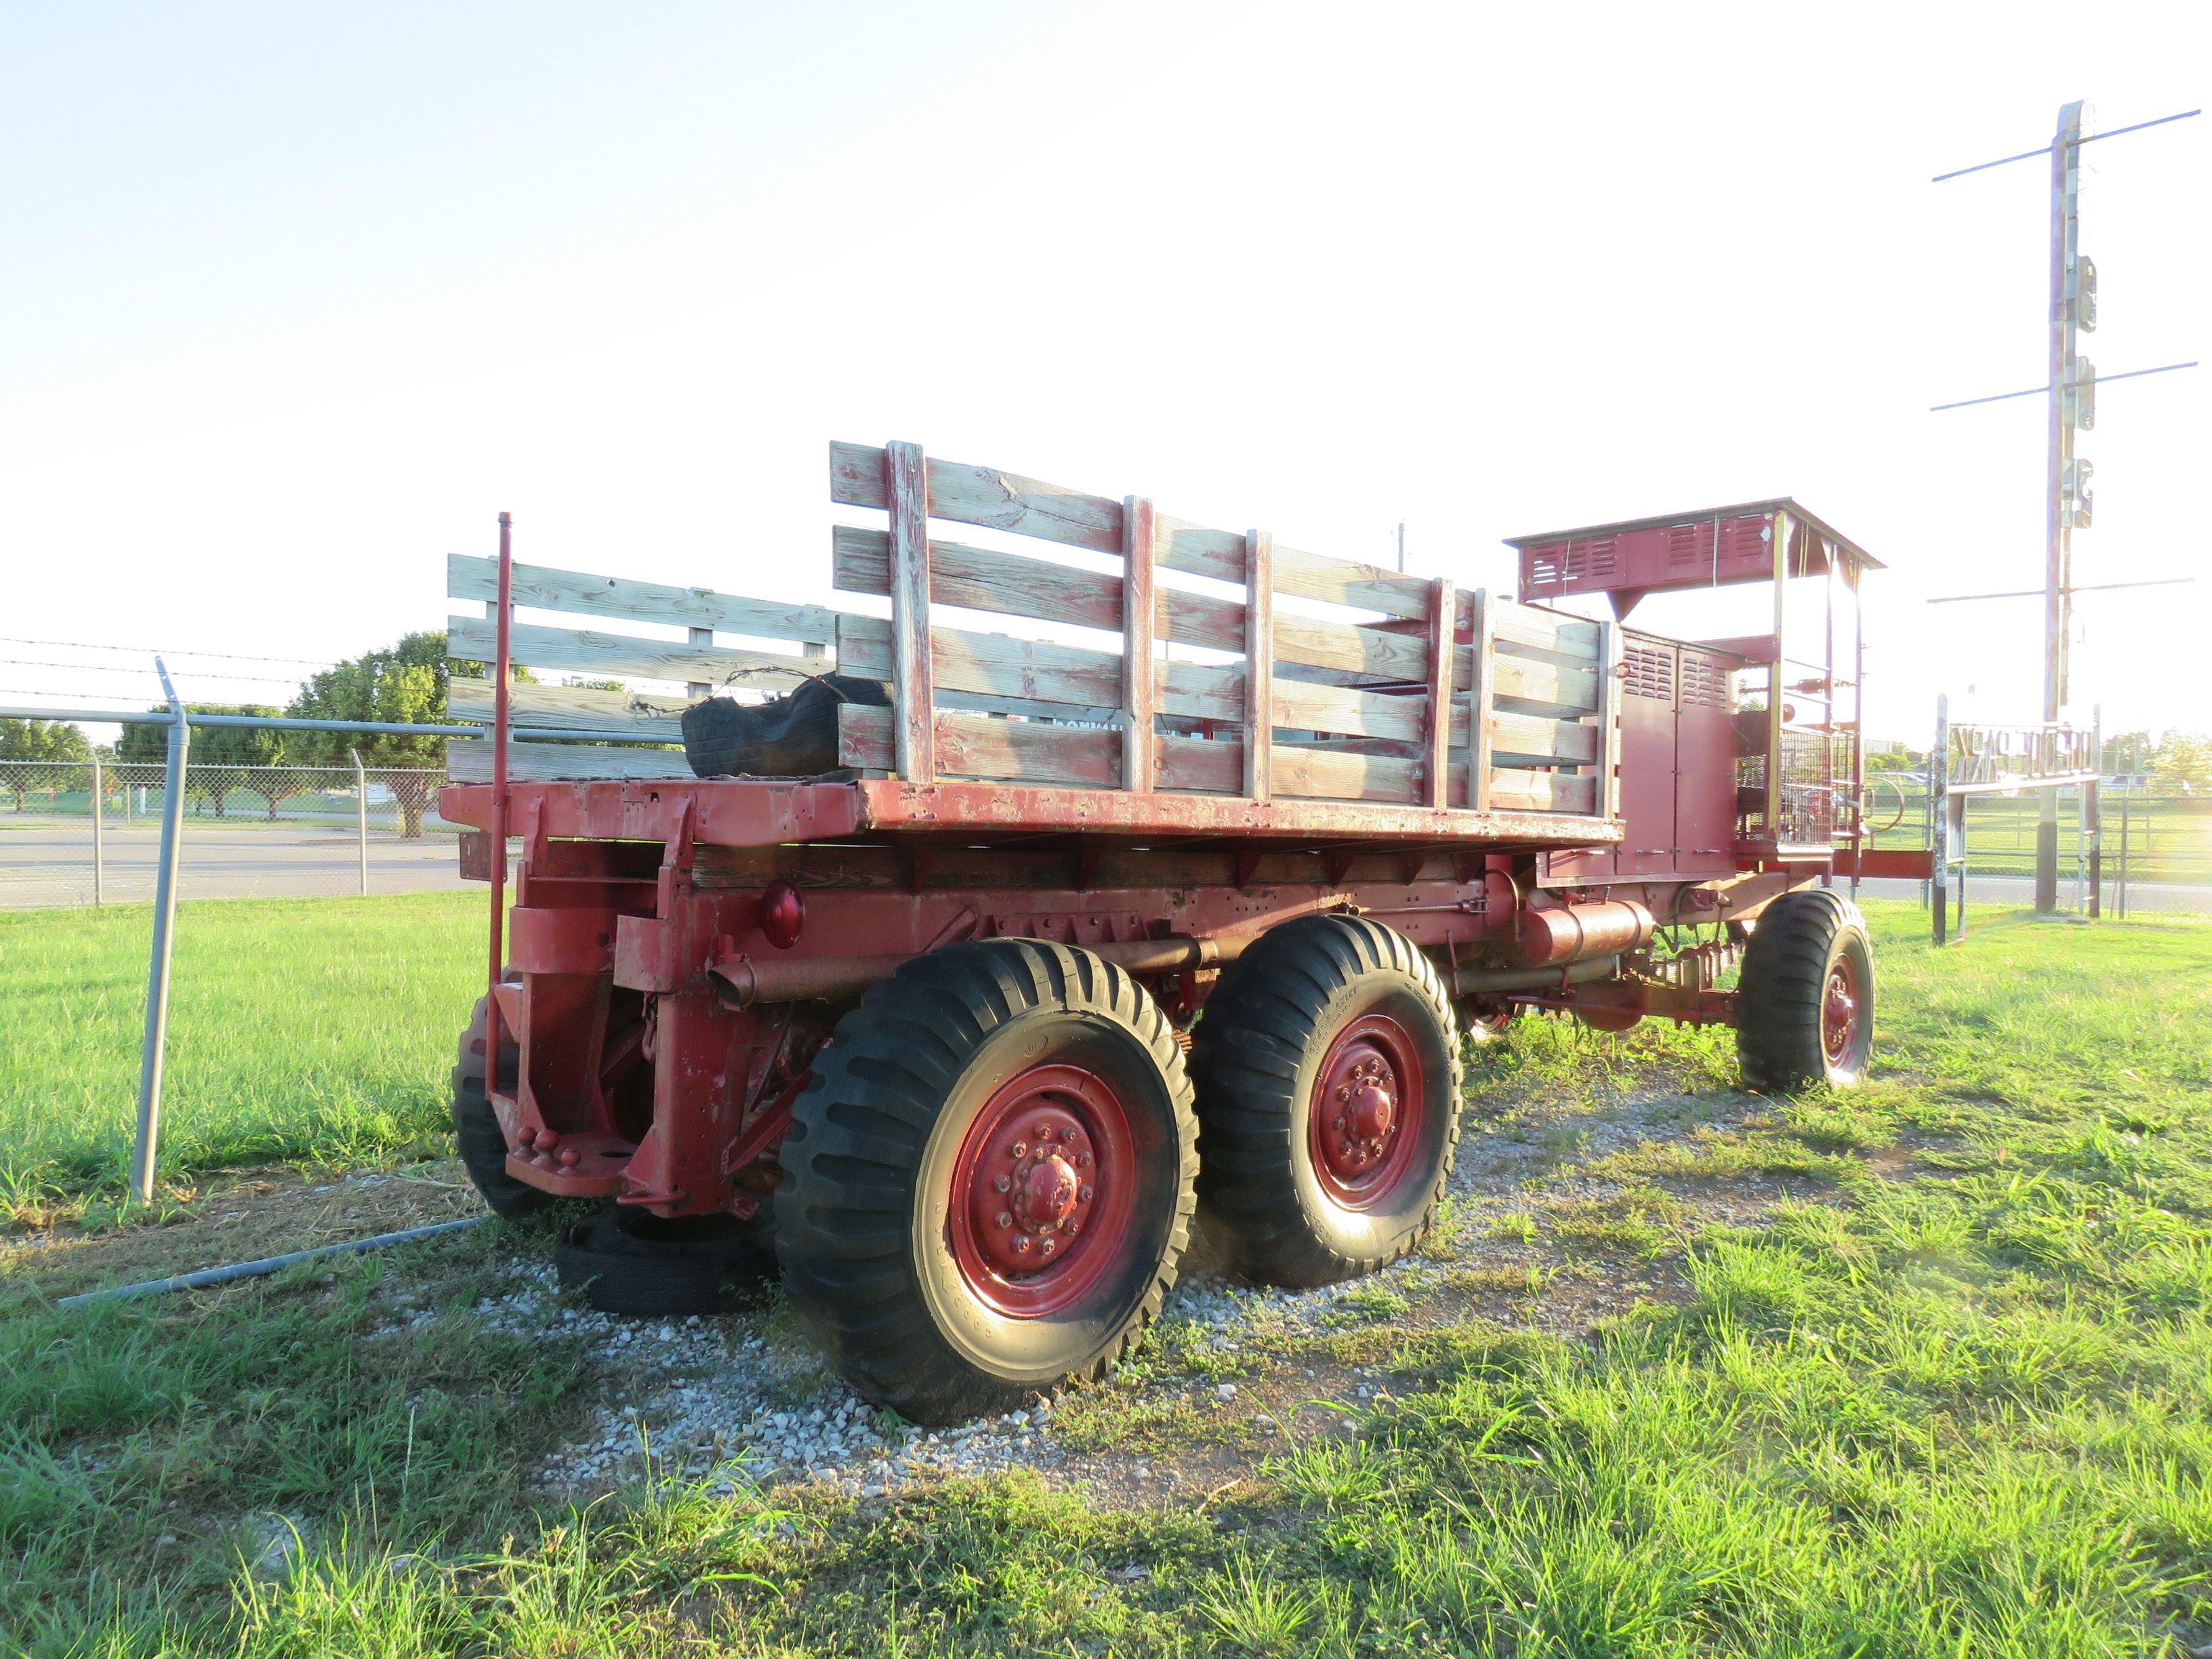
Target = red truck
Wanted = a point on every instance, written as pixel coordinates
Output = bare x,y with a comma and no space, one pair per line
963,1006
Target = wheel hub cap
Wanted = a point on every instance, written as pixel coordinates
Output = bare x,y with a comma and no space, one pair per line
1840,1013
1041,1194
1365,1111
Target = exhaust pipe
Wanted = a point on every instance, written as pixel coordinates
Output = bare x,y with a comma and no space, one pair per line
749,980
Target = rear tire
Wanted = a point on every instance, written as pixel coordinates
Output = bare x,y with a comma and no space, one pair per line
1327,1012
477,1133
990,1106
1805,999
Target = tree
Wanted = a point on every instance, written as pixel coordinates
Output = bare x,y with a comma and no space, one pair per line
2182,763
39,740
215,749
404,684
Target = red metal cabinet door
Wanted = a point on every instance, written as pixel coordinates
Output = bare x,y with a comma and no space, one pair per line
1705,763
1647,755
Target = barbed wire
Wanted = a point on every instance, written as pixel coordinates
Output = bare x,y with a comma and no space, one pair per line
148,650
109,668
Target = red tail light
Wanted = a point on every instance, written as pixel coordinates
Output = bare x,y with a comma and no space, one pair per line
782,915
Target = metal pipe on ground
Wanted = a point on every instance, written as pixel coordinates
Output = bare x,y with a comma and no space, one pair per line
207,1276
804,979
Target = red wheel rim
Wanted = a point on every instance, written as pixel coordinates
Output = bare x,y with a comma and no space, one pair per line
1364,1121
1042,1192
1841,1003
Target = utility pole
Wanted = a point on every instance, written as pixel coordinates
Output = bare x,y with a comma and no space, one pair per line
2071,389
2067,501
1401,548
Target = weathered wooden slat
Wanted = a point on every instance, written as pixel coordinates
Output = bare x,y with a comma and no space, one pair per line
1350,646
1532,739
985,496
1444,623
541,588
906,494
1260,640
1029,675
1608,719
1542,792
970,745
1014,584
1201,552
1538,687
471,638
1140,686
468,760
1572,639
572,708
1343,582
1479,662
982,579
979,746
1302,706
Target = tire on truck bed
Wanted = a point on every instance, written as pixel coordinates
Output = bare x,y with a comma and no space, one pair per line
989,1106
477,1133
1328,1077
1805,996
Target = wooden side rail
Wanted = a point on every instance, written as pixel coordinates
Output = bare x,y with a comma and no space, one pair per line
1303,676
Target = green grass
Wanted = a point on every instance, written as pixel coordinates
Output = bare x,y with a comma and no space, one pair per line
319,1030
1954,1397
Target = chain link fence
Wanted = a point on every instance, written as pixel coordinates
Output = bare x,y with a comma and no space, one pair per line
89,832
2157,844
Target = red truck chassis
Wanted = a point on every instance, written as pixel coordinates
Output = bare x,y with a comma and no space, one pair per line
697,974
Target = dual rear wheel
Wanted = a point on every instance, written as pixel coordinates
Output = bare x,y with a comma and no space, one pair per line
991,1180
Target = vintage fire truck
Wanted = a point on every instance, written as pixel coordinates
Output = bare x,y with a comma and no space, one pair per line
999,957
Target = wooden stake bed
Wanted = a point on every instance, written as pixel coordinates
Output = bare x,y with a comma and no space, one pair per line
1365,705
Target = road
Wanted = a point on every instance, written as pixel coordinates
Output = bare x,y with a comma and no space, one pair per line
46,861
2144,896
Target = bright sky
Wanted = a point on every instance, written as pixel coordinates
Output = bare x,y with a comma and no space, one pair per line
299,298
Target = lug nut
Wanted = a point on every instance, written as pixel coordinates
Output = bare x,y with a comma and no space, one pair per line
1022,1244
1085,1195
1048,1246
1083,1160
1021,1149
1004,1183
1337,1122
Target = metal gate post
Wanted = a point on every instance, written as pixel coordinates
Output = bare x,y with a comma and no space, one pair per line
1939,824
2126,799
361,815
150,1053
2093,814
97,869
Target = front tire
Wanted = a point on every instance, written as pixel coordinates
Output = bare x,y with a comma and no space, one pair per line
1805,999
989,1179
1329,1079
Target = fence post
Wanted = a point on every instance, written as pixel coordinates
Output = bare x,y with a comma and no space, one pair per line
361,815
150,1053
1939,819
2126,799
98,871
